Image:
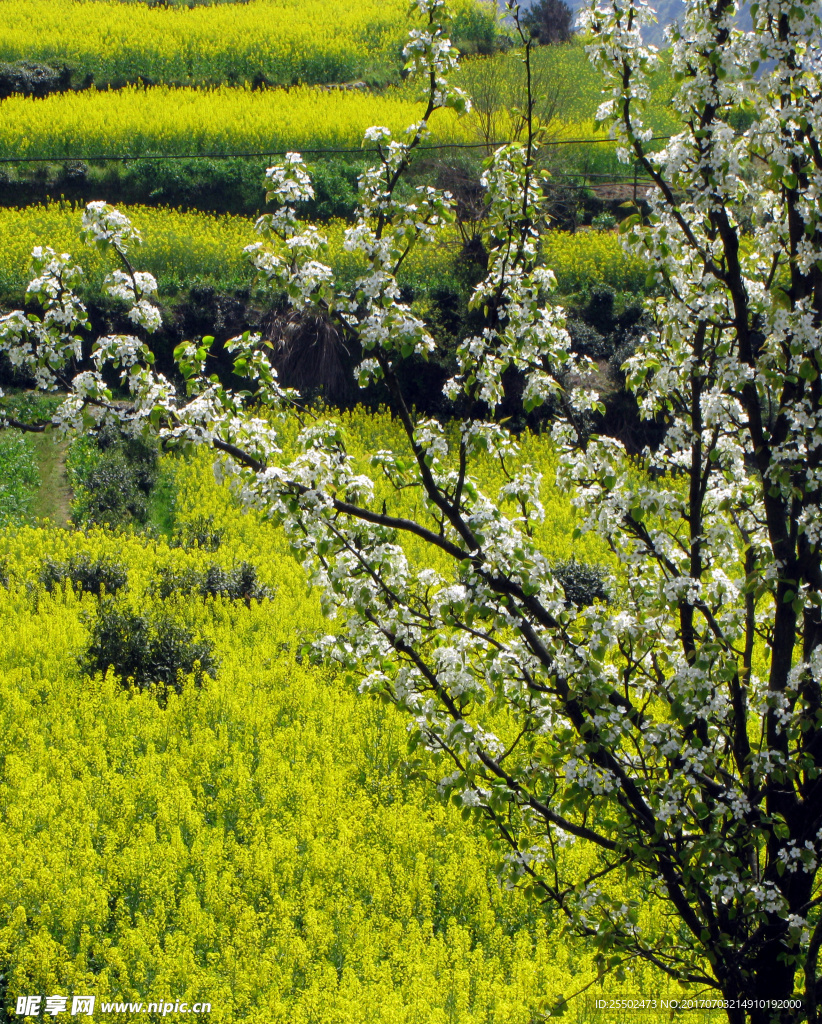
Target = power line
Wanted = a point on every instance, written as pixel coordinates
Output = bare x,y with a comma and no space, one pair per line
283,152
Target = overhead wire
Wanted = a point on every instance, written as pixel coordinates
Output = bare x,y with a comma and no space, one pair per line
283,152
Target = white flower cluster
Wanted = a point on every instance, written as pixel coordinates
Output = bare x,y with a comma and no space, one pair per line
47,346
134,288
105,226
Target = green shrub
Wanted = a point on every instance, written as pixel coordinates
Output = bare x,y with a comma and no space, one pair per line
335,190
113,473
587,340
111,494
31,78
147,649
583,583
550,21
225,186
19,478
240,583
604,221
93,576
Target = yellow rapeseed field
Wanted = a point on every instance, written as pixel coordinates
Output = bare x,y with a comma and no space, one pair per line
182,248
262,842
136,122
179,248
284,41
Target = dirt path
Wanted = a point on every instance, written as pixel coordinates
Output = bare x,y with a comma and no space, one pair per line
53,499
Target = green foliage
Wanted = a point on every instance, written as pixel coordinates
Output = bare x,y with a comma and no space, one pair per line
224,186
213,185
199,531
107,493
161,502
583,583
18,478
112,474
29,78
30,406
147,650
604,222
335,190
102,575
239,583
549,21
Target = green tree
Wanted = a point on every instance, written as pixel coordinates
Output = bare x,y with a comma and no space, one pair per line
549,21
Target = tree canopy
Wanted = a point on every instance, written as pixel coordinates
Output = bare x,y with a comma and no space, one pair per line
550,21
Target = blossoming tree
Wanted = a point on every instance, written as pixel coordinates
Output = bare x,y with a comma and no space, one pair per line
676,729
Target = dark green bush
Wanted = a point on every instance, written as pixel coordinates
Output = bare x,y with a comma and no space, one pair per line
587,340
73,174
112,495
233,185
626,339
239,583
550,21
741,119
32,78
113,473
147,650
335,190
221,186
597,330
93,576
599,310
604,221
583,583
142,455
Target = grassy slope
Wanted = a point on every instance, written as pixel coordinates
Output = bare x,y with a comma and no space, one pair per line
53,497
